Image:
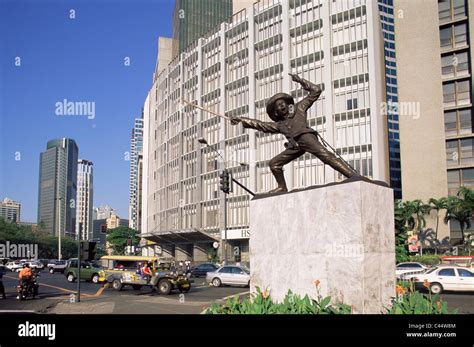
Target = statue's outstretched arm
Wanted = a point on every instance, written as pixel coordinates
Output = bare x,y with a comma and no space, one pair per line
266,127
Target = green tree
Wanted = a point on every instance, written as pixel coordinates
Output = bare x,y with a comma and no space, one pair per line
437,205
118,239
459,209
404,221
419,210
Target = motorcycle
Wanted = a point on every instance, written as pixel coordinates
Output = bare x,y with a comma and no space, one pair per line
28,287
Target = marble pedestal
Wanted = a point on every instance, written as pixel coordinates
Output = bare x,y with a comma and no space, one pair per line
340,234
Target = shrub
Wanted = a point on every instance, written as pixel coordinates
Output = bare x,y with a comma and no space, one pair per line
262,303
410,301
427,259
406,301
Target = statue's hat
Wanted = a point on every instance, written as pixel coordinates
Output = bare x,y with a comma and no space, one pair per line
271,104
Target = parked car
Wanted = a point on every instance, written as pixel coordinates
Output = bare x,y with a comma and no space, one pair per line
229,275
89,272
44,262
12,266
203,269
443,278
58,266
409,268
36,265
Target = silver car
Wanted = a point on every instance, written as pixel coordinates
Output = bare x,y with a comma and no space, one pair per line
229,275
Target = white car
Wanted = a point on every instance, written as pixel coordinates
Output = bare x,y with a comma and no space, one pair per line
229,275
12,266
442,278
409,268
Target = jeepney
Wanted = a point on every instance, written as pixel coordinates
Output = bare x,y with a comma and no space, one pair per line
124,271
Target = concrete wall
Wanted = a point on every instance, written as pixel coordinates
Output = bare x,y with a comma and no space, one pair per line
422,137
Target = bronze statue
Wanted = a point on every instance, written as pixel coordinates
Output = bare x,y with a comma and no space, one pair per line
291,121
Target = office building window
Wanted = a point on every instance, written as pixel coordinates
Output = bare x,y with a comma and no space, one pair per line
458,122
460,35
455,65
454,182
452,153
351,104
449,95
453,36
456,93
467,153
468,178
446,39
449,10
463,91
465,122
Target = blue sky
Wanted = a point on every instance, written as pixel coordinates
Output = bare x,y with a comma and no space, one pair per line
79,59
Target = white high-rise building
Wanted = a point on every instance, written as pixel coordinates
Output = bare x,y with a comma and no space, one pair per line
234,70
136,145
84,203
104,212
10,210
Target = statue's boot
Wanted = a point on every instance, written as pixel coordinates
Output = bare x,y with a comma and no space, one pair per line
280,178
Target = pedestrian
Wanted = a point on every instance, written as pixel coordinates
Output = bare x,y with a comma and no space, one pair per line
2,272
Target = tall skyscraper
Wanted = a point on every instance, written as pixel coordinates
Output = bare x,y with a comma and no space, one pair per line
233,70
435,89
57,189
192,19
84,199
10,210
136,146
388,30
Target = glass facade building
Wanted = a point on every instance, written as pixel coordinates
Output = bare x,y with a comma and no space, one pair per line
57,189
194,18
388,29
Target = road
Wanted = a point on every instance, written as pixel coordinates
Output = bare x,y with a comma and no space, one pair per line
55,292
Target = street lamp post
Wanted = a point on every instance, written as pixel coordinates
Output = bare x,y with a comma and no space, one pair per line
203,141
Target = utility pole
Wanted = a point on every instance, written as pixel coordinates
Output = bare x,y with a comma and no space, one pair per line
59,228
79,251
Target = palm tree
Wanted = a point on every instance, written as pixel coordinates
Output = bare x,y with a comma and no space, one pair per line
459,210
404,219
437,205
419,210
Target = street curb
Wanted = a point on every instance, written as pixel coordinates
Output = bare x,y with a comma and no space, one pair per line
225,298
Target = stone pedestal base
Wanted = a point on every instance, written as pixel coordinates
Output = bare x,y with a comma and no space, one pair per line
340,234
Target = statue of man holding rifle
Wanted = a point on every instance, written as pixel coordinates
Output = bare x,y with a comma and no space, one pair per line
291,121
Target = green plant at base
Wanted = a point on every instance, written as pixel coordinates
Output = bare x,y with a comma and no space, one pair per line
262,303
410,301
